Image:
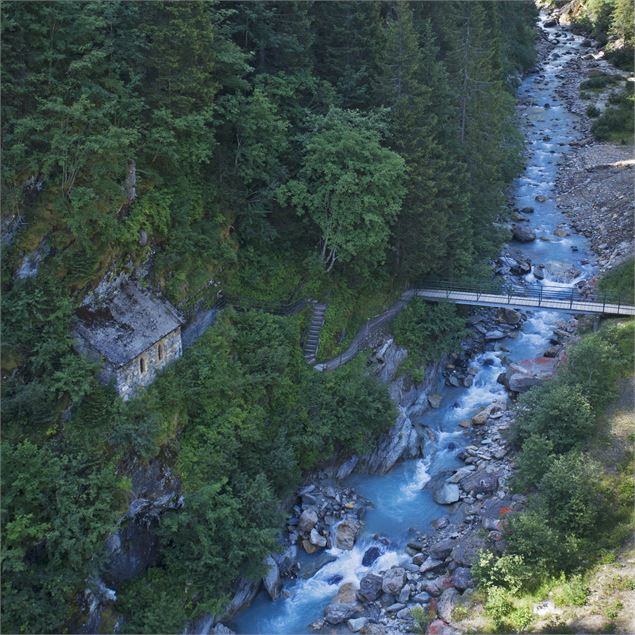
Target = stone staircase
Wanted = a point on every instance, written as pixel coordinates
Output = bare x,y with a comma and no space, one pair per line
313,337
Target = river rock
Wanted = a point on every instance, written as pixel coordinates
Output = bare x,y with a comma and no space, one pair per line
310,568
393,580
521,376
481,417
221,629
436,586
441,522
510,316
404,594
370,587
446,604
271,580
357,624
345,534
462,578
467,549
527,210
540,198
308,546
308,520
421,598
481,482
317,539
439,627
370,555
494,334
435,399
447,494
442,549
523,234
343,606
430,564
539,272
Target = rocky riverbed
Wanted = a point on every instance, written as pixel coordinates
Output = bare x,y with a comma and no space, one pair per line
595,181
360,554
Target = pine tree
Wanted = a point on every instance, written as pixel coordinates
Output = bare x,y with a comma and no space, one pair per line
413,86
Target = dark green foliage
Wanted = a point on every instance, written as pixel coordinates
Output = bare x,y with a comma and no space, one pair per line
534,459
556,411
619,282
575,509
592,111
56,514
428,329
616,122
242,122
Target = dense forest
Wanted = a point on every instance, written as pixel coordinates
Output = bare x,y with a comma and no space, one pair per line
277,150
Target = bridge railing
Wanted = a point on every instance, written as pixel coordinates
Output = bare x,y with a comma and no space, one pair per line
538,292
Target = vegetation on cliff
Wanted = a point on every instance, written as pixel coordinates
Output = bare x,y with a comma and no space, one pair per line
339,149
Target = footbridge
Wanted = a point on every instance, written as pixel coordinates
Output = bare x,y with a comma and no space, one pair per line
537,296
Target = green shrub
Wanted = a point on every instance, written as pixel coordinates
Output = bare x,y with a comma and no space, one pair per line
422,618
592,111
557,411
598,82
619,282
428,329
533,461
506,572
505,615
616,122
573,493
593,368
571,592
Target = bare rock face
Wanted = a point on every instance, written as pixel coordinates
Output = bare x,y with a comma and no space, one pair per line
271,580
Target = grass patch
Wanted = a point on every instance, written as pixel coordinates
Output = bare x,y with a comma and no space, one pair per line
620,282
615,124
600,82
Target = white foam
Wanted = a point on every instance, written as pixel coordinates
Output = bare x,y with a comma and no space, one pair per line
421,477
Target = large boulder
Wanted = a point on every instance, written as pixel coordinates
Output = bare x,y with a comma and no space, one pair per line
343,606
462,578
345,534
446,604
523,234
308,520
495,334
447,494
370,586
480,482
316,538
467,549
271,579
442,549
510,316
394,580
521,376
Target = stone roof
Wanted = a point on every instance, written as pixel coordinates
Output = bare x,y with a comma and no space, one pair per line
127,324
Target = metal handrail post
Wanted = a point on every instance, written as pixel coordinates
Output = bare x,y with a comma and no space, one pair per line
571,301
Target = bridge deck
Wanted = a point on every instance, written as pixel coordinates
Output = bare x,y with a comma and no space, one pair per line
570,305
